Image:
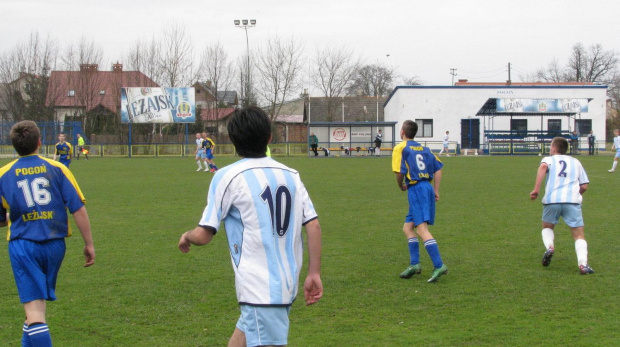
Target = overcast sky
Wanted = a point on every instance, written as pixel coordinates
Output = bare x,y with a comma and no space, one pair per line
422,38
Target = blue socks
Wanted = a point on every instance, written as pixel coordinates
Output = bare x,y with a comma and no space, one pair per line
414,250
36,334
433,252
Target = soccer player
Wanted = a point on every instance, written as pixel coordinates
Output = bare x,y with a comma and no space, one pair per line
80,148
208,146
416,167
616,146
446,139
64,151
378,140
37,193
200,152
566,183
263,205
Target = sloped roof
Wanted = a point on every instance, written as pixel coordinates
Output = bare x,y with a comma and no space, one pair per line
214,114
354,108
92,88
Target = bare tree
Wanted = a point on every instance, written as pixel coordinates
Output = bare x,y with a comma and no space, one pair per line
279,64
552,73
145,57
372,80
245,81
24,74
595,65
176,58
412,81
217,69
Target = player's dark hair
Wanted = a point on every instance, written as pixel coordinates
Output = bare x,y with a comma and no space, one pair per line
560,144
249,130
410,128
25,137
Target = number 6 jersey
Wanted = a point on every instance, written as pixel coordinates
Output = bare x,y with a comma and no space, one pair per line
263,205
37,192
564,177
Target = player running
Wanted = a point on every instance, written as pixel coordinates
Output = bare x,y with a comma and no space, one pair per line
208,146
200,152
566,183
616,146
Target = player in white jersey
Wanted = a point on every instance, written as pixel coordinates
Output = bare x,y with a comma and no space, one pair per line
566,183
616,146
200,152
446,139
263,205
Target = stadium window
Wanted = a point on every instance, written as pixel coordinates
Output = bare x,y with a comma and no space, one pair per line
71,93
425,127
518,127
583,126
554,127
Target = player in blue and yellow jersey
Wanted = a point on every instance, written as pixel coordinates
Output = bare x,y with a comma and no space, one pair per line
37,192
418,171
63,150
263,204
208,145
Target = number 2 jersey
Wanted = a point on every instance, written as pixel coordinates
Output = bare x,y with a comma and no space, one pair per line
565,175
37,192
263,205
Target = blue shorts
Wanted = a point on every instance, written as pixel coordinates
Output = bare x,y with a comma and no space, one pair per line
209,154
571,213
200,154
66,162
421,203
264,325
35,267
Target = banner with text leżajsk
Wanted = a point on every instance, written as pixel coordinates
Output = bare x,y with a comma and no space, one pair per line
158,105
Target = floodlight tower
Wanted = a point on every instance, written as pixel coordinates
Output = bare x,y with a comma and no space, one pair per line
245,24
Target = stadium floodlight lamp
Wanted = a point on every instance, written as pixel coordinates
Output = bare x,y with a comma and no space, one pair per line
253,21
237,22
245,22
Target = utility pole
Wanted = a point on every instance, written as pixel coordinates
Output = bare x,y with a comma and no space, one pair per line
453,73
509,80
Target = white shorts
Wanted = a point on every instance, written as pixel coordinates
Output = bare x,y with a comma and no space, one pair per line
571,213
618,153
264,325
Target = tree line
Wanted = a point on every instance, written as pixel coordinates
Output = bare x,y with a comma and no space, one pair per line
271,75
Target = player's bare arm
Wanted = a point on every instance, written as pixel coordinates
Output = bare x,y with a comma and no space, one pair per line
83,223
437,182
313,287
583,188
542,171
399,180
200,236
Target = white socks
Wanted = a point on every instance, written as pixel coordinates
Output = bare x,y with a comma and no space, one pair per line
613,167
198,162
547,236
581,248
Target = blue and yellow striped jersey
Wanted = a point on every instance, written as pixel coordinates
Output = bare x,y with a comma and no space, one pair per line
37,193
415,161
208,143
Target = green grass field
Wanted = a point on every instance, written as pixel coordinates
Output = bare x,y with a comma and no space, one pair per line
143,292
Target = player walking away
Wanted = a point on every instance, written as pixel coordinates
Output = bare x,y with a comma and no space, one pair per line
200,152
378,140
616,146
314,143
80,148
208,145
416,167
263,205
574,142
566,183
591,143
64,151
37,192
446,139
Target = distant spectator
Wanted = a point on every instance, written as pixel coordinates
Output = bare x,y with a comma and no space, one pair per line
314,143
591,142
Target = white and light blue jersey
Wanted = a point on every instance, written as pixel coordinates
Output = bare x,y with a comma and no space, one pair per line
446,138
617,143
199,145
565,175
263,205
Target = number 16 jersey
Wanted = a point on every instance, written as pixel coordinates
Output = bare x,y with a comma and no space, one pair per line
565,175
